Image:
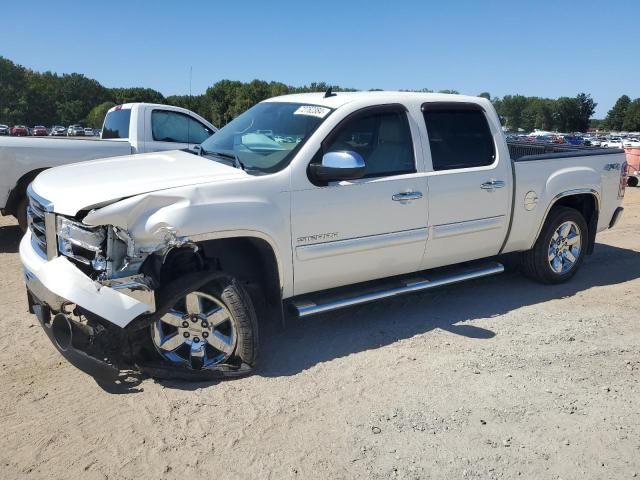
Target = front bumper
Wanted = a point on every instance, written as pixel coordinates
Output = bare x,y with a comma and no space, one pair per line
57,282
97,367
53,284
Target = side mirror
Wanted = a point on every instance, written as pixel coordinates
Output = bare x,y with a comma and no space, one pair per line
342,165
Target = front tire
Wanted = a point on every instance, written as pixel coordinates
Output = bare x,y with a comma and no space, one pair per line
559,249
211,329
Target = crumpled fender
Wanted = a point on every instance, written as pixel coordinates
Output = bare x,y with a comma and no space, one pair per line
251,208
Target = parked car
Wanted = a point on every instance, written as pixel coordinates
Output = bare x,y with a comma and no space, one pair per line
573,140
613,142
39,131
129,128
75,131
88,132
172,260
58,131
20,131
4,129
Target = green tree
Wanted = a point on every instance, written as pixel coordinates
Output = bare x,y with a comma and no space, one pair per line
77,95
512,107
632,117
616,116
566,114
586,108
219,100
95,118
136,94
13,85
538,114
486,95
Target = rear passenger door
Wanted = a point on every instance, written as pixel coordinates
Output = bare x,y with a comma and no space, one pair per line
172,130
353,231
470,187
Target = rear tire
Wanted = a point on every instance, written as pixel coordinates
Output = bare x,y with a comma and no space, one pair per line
559,249
632,181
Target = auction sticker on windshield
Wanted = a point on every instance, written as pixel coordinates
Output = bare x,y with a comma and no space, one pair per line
313,111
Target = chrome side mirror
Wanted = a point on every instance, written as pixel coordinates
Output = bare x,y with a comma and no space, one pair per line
341,165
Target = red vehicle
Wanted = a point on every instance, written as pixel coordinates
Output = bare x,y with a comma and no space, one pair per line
39,131
19,131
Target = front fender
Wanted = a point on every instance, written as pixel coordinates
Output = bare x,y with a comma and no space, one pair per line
196,215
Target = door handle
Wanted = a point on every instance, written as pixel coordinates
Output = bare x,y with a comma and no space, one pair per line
406,196
492,185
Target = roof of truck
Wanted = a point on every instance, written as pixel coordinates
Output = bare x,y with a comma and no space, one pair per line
341,98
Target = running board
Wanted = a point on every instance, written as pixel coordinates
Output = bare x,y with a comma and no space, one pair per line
304,308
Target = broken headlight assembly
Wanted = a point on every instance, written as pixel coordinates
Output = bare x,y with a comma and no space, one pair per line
103,252
84,244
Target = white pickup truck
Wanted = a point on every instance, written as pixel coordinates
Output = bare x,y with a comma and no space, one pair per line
303,204
129,128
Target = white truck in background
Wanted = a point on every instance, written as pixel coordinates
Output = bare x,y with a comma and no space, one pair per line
172,261
127,129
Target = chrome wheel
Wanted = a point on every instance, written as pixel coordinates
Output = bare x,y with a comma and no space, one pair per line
565,247
198,332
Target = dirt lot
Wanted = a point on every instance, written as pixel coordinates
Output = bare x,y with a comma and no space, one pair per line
498,378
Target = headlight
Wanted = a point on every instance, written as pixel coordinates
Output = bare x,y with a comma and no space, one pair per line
82,243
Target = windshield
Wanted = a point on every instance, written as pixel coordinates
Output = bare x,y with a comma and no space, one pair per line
266,137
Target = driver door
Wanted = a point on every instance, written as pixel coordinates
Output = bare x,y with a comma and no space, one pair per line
348,232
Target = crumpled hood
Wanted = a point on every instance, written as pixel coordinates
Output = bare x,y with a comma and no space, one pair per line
84,185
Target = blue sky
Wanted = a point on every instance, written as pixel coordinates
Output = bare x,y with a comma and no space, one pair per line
544,48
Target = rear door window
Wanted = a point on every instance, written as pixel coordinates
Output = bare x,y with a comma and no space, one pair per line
116,124
168,126
459,136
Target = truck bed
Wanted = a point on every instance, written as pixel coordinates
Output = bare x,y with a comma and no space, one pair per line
530,151
543,172
19,156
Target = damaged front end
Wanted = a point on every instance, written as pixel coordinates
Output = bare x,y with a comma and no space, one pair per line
111,261
108,255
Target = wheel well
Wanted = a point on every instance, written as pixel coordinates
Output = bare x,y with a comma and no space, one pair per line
20,190
251,260
587,205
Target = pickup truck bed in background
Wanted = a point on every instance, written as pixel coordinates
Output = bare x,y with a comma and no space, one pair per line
127,129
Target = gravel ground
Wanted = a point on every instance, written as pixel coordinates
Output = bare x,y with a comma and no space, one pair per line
498,378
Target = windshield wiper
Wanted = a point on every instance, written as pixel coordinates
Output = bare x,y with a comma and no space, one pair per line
236,161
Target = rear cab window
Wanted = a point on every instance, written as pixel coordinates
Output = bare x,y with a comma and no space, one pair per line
459,135
116,124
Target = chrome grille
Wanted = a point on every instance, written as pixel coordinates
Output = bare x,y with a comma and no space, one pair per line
41,221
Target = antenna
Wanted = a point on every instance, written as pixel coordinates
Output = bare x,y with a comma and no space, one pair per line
329,93
190,102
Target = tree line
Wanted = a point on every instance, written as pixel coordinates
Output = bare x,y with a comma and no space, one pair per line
564,114
29,97
625,115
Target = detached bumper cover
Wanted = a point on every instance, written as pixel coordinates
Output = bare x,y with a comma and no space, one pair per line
58,281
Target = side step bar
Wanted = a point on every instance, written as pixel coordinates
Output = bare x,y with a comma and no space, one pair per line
304,308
